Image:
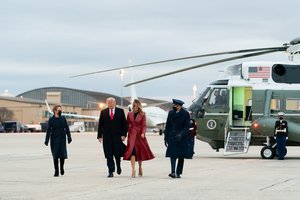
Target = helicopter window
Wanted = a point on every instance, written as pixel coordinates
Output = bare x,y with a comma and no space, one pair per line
202,97
292,104
197,107
275,104
249,102
218,97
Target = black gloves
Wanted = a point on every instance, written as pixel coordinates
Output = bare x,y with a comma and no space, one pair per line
166,143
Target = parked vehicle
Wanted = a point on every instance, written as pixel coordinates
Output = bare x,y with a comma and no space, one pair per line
44,126
24,128
77,127
34,127
12,126
1,128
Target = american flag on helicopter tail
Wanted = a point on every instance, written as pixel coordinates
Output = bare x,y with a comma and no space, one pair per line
259,72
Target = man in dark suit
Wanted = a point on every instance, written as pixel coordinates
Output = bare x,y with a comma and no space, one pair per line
281,135
176,137
112,131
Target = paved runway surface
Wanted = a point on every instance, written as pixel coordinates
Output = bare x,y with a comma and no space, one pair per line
26,172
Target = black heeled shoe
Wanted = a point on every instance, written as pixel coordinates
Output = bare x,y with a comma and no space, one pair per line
62,171
56,174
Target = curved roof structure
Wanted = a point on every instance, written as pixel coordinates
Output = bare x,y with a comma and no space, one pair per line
82,98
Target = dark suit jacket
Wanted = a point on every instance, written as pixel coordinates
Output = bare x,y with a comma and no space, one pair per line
111,131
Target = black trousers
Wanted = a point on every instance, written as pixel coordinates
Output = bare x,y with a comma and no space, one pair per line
281,142
179,167
111,164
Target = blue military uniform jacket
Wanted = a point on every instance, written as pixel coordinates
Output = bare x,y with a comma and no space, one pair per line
178,123
281,125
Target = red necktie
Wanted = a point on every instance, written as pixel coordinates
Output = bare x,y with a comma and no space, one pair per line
111,114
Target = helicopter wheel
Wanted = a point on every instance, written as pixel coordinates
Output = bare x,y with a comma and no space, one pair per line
267,152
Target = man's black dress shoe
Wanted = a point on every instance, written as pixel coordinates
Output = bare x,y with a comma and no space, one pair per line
119,171
172,175
110,175
178,176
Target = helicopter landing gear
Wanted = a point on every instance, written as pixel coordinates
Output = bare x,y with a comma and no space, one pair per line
268,152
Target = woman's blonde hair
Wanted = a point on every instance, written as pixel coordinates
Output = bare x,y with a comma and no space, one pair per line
139,105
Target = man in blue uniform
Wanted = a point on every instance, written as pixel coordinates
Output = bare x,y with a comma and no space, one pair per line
281,135
192,134
176,137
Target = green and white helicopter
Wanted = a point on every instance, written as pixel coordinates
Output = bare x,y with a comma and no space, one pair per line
240,109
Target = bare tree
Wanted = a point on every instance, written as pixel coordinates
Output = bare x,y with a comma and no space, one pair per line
5,114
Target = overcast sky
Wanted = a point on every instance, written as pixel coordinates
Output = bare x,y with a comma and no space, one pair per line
43,43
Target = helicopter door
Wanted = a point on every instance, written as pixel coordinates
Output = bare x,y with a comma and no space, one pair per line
241,106
237,140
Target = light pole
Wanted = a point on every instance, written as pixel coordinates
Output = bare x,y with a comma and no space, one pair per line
121,76
194,91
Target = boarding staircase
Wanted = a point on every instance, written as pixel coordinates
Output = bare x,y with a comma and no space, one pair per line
237,141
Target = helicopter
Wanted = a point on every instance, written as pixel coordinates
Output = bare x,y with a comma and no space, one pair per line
239,110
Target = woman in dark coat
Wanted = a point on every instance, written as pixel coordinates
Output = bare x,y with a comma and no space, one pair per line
57,131
137,146
176,137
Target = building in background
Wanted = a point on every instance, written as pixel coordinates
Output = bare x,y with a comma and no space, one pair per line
82,98
30,108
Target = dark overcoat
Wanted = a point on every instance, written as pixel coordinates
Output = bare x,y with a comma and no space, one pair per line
178,123
57,131
111,131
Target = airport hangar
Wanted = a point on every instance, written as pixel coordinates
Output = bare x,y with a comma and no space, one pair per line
30,107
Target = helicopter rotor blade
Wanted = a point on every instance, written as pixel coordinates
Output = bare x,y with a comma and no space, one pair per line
185,58
206,64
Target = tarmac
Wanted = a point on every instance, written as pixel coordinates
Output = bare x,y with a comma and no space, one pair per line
26,173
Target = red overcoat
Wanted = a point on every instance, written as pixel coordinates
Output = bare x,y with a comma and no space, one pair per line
137,127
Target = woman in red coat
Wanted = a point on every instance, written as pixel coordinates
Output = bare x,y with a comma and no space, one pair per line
137,146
